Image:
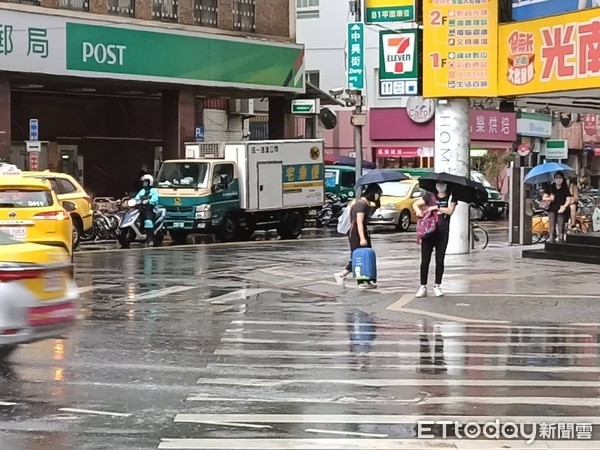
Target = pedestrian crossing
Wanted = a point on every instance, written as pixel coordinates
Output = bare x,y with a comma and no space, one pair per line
345,380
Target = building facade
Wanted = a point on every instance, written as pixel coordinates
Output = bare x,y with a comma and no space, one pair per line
107,86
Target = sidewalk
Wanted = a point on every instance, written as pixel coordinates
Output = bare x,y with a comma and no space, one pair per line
494,284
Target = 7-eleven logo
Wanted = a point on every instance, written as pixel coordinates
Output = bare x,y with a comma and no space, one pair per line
399,53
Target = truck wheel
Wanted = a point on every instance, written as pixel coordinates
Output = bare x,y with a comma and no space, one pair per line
158,239
229,229
291,228
179,237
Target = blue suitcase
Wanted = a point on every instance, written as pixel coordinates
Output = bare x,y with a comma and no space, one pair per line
364,265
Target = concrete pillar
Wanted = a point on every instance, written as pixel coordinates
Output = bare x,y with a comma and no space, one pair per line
282,124
5,117
452,156
178,116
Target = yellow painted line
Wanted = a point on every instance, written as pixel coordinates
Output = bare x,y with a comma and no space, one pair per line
449,317
404,300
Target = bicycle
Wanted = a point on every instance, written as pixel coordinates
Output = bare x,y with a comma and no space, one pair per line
479,237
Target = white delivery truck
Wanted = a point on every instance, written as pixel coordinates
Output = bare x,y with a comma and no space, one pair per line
231,190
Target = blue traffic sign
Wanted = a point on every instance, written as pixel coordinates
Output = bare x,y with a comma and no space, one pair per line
355,63
34,130
199,134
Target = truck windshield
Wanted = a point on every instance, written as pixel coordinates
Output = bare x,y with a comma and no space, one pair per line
183,175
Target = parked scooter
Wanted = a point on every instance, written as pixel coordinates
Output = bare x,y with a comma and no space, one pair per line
332,210
132,228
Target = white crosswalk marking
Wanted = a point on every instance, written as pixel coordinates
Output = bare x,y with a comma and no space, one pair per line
302,384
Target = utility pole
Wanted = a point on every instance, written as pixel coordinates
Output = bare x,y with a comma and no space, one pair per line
358,117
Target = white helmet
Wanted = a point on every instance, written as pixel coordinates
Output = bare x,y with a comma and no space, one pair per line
147,178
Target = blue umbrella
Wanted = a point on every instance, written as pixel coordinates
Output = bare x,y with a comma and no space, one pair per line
380,176
544,173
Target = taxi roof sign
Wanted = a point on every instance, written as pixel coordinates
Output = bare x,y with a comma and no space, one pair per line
9,169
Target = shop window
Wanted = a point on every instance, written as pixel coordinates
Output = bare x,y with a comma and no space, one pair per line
205,13
307,9
244,15
165,10
313,77
121,7
75,5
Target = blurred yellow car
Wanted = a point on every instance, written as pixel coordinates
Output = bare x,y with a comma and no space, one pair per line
68,189
396,204
31,212
39,296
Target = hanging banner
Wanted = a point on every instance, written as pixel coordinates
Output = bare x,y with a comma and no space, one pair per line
460,52
553,54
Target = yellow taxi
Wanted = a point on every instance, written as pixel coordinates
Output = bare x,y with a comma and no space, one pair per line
39,296
396,204
31,212
68,189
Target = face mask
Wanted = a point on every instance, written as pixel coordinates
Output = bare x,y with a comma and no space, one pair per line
376,197
441,187
558,181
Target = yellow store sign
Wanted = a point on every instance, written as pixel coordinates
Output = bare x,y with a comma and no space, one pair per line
558,53
460,48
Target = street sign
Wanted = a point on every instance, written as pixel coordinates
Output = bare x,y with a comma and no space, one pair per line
34,161
199,135
557,149
385,11
398,63
305,106
34,130
355,64
33,146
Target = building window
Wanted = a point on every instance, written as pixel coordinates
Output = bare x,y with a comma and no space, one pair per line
166,10
307,9
244,15
205,13
75,5
313,77
121,7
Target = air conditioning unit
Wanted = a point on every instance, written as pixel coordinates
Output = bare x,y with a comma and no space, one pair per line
242,107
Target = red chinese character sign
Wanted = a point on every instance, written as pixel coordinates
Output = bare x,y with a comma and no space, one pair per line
493,126
552,54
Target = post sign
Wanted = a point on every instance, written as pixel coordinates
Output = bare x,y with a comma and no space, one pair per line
355,64
305,106
199,134
34,130
34,161
557,149
382,11
398,63
460,53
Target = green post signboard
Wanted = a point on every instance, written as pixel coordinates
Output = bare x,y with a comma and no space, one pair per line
384,11
355,67
398,63
192,58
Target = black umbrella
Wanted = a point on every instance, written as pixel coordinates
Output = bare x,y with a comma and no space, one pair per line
380,176
462,188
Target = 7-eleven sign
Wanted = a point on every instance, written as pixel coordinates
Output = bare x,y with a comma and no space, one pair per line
399,63
399,53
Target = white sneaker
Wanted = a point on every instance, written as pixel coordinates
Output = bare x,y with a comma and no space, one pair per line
438,291
367,285
340,279
422,292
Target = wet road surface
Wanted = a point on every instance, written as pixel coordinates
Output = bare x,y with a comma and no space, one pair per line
253,346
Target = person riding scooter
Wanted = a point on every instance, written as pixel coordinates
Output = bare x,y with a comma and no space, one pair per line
149,198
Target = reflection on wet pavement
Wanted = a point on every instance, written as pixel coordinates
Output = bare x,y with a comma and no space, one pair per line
239,347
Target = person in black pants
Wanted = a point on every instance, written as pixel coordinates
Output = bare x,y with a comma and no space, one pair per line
442,204
559,196
358,234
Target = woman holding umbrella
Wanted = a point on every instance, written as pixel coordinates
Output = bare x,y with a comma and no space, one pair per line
559,196
439,202
358,234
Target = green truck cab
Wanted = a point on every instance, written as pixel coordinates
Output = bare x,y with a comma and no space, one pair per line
340,180
232,190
